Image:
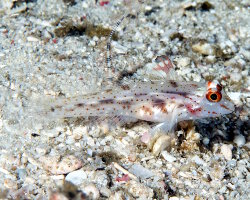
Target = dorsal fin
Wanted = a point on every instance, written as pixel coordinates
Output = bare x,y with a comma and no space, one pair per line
109,65
165,65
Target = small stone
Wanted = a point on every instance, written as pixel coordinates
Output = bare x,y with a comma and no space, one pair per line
105,192
70,140
66,165
236,77
140,190
245,53
91,141
21,173
161,143
90,152
217,172
100,178
145,138
57,196
132,134
174,198
198,160
168,157
205,140
140,171
210,59
53,133
91,191
76,177
119,49
183,62
204,48
239,140
41,151
117,196
231,186
192,140
32,39
132,157
247,145
78,132
226,151
10,184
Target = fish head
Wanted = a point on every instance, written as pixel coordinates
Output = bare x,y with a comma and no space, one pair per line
215,102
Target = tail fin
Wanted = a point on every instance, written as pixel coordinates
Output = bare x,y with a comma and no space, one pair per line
19,114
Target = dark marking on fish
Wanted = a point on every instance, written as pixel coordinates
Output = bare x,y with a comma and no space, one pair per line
106,101
94,105
161,104
158,101
125,104
140,94
184,94
125,87
109,90
173,84
80,105
147,110
180,106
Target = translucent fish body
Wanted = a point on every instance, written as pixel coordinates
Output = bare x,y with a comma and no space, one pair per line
164,102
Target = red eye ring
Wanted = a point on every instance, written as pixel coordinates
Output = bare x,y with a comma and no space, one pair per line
213,96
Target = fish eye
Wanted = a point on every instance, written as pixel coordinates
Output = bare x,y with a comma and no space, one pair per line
213,96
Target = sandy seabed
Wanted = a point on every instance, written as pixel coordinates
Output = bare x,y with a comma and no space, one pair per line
55,49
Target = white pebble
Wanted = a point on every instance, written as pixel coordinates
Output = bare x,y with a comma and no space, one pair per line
236,77
41,151
247,145
168,157
79,131
90,152
117,196
245,53
174,198
203,48
141,172
70,140
226,151
183,62
139,190
211,59
92,192
198,160
32,39
65,166
76,177
217,172
205,141
105,192
91,142
239,140
161,143
118,48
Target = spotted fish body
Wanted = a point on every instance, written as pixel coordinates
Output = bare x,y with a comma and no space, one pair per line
166,102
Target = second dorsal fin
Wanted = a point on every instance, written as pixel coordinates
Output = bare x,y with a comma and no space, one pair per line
109,65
